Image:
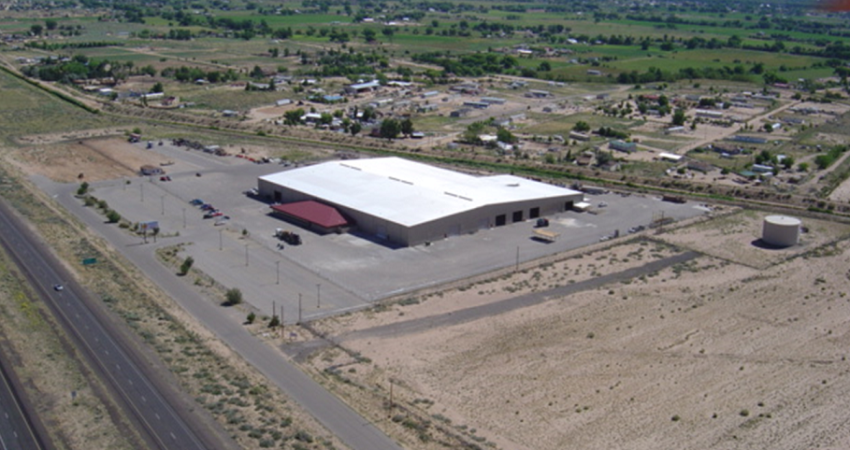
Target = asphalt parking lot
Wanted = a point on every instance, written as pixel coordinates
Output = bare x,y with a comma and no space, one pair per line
334,273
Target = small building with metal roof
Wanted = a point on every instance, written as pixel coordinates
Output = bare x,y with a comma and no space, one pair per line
408,203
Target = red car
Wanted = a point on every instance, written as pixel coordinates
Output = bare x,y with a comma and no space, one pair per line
165,178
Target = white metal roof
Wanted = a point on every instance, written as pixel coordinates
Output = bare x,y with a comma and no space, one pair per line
407,192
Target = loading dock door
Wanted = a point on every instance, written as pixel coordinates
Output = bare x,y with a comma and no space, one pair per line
277,197
534,213
517,216
501,220
568,206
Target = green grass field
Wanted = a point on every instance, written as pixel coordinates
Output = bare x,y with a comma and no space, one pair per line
27,110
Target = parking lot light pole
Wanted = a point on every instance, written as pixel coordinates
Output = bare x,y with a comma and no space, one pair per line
299,308
184,217
219,239
246,255
277,263
318,295
162,197
142,192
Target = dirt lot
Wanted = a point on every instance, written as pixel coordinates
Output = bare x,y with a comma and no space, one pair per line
95,159
743,347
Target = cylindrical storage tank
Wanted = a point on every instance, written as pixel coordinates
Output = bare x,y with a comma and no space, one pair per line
781,231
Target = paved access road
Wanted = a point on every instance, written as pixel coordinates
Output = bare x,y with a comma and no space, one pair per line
120,367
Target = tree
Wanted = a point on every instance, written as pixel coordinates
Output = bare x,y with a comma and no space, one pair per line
355,128
51,24
293,117
504,135
581,127
36,29
369,35
407,127
679,117
257,72
545,66
388,32
390,129
157,88
233,297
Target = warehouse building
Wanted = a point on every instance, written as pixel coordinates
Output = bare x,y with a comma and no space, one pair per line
408,203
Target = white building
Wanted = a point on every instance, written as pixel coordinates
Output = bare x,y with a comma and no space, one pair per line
408,203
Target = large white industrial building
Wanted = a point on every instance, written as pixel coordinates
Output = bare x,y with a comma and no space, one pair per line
405,202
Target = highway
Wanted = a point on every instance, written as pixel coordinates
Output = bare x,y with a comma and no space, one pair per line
19,427
115,360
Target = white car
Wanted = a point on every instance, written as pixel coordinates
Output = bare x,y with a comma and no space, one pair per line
58,287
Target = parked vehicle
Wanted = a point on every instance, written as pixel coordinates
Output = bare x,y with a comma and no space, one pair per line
253,192
58,287
542,222
213,213
165,178
207,207
288,236
196,202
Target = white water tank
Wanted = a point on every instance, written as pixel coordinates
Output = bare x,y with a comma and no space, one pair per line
781,231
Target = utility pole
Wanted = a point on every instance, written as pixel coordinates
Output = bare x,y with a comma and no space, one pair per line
517,259
142,192
318,295
246,255
390,409
184,217
277,263
162,197
299,308
219,239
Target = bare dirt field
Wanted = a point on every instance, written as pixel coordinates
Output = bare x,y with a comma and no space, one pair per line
95,159
743,347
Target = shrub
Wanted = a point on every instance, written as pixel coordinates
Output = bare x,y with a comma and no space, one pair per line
251,317
84,188
187,264
274,322
233,296
112,216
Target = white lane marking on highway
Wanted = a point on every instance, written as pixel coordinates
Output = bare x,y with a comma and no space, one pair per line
130,381
118,366
173,436
157,416
144,399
